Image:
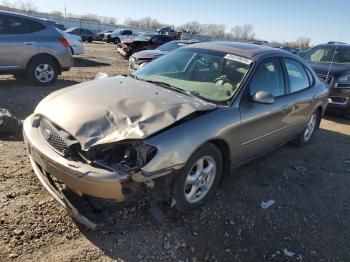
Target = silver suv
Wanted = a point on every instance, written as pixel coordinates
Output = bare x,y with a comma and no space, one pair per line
32,47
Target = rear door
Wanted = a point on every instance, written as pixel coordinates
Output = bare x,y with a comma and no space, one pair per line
301,93
264,126
18,42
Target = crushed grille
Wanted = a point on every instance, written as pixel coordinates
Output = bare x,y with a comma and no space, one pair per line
50,133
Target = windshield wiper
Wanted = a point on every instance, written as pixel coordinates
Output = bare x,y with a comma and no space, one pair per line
169,86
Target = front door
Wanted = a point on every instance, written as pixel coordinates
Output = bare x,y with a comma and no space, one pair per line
17,44
264,126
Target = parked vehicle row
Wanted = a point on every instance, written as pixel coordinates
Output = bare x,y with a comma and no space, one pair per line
145,41
141,58
86,35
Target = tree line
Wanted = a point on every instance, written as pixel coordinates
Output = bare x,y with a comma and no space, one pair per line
244,32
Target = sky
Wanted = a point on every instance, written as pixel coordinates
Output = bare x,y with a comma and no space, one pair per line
281,20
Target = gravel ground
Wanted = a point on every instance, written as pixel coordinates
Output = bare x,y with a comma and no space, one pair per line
308,221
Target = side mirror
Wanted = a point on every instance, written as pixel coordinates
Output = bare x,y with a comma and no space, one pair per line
263,97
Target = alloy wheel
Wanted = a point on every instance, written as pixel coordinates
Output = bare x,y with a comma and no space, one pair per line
44,73
200,179
310,127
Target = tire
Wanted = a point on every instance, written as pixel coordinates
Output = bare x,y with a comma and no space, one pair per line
42,71
186,193
347,116
116,41
90,39
308,133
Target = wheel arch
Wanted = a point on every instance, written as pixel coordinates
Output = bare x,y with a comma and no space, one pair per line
45,55
224,148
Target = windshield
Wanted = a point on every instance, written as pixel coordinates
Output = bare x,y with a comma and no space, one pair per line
116,31
170,46
213,76
325,55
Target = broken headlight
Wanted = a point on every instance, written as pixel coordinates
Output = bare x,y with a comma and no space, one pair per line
125,156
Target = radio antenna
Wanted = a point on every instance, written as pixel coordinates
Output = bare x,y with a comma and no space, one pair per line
335,52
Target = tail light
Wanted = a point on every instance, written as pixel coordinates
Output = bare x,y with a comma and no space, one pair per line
64,41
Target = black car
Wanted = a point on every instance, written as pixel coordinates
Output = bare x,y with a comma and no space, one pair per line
85,34
146,41
331,63
141,58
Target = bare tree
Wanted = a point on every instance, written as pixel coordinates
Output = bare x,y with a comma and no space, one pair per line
303,43
56,13
236,32
27,6
243,33
9,4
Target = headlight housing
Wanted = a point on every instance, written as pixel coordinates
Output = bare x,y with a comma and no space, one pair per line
128,156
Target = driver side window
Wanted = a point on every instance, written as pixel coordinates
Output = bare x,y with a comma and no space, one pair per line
269,78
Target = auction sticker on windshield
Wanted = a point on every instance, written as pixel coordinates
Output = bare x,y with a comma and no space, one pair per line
239,59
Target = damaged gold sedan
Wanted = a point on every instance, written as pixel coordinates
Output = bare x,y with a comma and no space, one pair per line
174,126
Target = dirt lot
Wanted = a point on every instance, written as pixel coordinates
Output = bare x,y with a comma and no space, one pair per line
310,187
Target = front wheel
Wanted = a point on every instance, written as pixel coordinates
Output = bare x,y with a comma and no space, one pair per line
306,136
199,179
42,71
116,41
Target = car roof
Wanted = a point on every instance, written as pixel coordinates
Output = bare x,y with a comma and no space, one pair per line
247,50
334,45
24,16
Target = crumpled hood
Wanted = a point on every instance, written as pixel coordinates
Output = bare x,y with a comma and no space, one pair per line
117,108
149,54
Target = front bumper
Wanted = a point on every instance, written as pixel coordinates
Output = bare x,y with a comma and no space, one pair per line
81,178
339,99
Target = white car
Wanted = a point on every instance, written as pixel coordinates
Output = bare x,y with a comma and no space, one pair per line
75,43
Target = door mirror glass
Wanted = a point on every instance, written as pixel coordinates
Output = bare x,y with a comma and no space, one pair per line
263,97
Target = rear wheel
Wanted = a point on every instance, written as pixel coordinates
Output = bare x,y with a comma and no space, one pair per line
42,71
199,179
90,39
306,136
347,116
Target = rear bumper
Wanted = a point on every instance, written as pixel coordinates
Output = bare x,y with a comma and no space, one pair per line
66,60
339,100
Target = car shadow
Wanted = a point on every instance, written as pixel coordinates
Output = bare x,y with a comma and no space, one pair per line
337,117
306,183
83,62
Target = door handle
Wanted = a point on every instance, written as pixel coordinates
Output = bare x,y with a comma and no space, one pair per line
29,43
313,97
286,109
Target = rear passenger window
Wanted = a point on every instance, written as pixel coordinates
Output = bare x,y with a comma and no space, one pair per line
33,26
298,78
16,26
